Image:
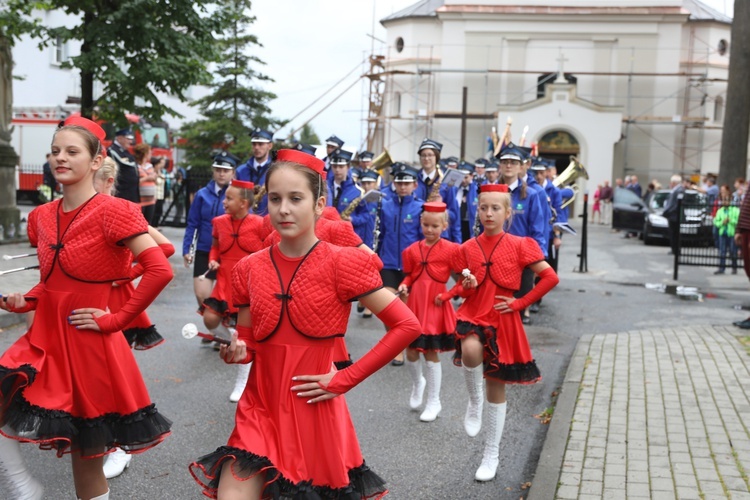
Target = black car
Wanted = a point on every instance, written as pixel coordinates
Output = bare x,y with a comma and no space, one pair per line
630,213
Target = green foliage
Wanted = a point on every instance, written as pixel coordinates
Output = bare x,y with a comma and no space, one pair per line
235,106
308,136
134,48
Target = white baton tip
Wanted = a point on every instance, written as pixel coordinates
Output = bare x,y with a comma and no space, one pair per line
189,331
466,273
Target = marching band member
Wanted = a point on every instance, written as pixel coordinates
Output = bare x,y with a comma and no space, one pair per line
332,144
69,383
236,234
492,172
430,187
493,344
427,266
479,170
528,209
399,228
293,436
467,198
207,204
254,170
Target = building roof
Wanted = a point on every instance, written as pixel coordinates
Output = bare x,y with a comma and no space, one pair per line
423,8
698,10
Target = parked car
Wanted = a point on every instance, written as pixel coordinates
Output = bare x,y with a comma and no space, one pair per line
630,213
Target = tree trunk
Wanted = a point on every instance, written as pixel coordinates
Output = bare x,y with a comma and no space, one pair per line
87,76
734,138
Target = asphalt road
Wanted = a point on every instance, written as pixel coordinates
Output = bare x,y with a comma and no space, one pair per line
190,384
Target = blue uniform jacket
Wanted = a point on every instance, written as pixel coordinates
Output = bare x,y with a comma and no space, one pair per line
565,194
364,223
399,228
473,198
453,233
529,216
555,200
252,172
349,191
206,205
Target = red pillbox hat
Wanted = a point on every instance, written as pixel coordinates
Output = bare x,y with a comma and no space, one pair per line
493,188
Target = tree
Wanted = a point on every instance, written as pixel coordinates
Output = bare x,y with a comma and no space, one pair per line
308,136
733,163
235,105
134,48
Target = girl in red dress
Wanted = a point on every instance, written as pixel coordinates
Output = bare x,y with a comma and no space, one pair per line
293,436
493,342
427,264
71,383
236,234
141,333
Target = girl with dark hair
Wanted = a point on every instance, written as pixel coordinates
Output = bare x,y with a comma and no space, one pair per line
293,436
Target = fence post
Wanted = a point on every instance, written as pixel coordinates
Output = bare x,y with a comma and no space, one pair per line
583,266
678,245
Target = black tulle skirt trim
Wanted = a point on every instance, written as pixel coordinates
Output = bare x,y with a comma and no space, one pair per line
363,483
60,431
516,373
464,329
442,342
143,339
220,307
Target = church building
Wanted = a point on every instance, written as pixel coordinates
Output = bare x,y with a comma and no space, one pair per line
629,87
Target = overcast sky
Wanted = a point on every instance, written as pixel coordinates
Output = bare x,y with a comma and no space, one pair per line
310,45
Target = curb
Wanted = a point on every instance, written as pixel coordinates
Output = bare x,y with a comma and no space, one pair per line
544,485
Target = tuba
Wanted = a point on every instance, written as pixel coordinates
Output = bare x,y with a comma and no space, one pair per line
383,160
569,177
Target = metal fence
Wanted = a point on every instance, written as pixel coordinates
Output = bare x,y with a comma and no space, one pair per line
700,242
178,198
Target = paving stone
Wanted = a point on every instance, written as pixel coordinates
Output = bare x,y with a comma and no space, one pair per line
706,474
592,475
735,483
712,489
684,458
567,492
616,482
660,473
662,484
615,469
591,487
640,465
687,494
638,490
570,479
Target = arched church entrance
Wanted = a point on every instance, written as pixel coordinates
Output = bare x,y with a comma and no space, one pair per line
559,145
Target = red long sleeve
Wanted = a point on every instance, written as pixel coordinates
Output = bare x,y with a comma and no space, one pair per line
245,334
31,297
214,254
137,270
548,280
404,328
157,274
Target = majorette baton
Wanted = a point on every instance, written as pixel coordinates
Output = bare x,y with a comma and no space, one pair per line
190,331
18,269
21,256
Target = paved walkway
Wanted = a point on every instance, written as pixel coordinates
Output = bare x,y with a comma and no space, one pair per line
651,414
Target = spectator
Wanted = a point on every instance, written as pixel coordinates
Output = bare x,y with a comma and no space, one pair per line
146,180
725,222
161,189
605,196
127,169
678,185
48,180
597,208
634,186
740,188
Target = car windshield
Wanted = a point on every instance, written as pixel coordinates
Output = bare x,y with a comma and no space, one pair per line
625,196
156,137
658,200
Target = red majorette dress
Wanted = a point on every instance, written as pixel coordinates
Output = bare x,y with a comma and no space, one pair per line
235,239
428,269
141,333
497,262
78,390
299,307
340,233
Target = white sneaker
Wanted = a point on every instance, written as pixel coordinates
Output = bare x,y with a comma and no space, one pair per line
116,462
